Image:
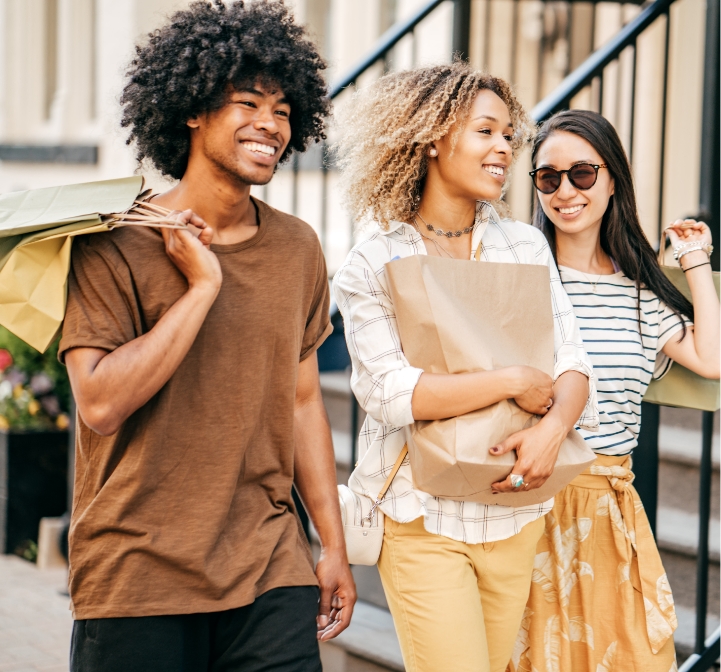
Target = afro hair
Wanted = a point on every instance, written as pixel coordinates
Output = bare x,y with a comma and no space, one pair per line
188,65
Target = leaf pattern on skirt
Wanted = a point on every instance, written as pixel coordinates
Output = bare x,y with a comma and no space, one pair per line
542,575
608,506
580,631
552,645
600,600
606,665
522,641
623,573
659,629
664,597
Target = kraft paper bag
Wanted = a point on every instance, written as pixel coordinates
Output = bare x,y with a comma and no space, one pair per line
36,232
460,316
33,287
38,209
681,387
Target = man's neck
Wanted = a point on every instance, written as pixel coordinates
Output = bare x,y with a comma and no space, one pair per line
222,200
583,252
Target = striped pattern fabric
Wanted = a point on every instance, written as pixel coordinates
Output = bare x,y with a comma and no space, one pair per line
383,380
624,358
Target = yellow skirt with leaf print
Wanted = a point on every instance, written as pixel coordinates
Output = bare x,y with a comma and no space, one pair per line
600,600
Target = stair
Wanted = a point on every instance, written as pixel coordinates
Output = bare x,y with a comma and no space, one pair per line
371,636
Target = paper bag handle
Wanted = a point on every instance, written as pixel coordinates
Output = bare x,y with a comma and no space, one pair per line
662,248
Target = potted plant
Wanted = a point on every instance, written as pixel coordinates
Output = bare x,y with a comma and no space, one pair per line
34,422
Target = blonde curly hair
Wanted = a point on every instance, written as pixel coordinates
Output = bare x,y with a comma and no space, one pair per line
388,127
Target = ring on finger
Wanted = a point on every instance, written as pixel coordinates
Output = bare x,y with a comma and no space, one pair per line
516,480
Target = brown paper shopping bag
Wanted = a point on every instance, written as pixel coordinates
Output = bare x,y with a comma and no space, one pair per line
459,316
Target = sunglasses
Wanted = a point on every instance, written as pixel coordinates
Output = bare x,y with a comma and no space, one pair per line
582,176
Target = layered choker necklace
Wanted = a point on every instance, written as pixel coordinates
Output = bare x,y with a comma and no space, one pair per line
441,232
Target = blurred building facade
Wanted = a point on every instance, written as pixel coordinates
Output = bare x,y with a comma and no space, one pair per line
62,66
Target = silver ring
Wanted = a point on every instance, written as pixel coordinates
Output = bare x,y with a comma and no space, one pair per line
516,480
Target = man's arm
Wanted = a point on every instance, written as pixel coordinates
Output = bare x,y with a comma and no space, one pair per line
110,386
315,479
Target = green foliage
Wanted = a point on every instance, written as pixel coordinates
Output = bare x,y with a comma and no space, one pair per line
34,388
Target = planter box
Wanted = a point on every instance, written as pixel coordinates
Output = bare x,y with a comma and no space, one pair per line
33,483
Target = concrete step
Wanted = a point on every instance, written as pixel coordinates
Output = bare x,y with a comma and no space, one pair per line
372,636
682,445
677,531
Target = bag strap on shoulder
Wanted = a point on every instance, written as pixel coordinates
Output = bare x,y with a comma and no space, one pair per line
386,485
392,475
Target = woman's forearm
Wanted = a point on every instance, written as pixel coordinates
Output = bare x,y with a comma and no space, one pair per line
570,392
706,314
438,395
699,350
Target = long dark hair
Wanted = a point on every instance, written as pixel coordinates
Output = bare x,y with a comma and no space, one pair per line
622,237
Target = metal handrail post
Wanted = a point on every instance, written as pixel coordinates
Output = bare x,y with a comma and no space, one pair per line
704,518
461,28
646,461
710,196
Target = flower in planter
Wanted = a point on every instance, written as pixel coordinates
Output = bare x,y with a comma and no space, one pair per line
41,384
6,359
34,388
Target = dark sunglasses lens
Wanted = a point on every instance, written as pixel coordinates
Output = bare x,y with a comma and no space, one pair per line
583,175
547,180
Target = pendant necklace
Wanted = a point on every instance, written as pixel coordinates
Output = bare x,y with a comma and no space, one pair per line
593,282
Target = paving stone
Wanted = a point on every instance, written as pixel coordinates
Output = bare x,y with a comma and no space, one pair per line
35,622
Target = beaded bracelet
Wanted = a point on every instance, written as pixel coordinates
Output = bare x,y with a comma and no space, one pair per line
691,246
688,250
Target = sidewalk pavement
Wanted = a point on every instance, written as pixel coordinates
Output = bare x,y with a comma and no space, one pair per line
35,621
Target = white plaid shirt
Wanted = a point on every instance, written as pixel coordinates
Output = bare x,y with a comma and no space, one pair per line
383,381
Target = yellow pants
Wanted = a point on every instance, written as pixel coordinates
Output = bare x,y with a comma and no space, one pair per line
457,607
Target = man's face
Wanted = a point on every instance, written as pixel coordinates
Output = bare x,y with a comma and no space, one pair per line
247,136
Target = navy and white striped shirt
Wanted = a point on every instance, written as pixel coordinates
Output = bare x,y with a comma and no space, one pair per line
623,359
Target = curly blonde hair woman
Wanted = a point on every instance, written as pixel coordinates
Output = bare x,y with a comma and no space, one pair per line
424,155
389,128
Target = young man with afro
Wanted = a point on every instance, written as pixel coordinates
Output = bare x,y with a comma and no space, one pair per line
193,363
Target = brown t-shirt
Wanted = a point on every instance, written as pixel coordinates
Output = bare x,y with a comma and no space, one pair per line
188,507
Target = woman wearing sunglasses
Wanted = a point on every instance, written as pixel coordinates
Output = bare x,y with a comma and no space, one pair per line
600,599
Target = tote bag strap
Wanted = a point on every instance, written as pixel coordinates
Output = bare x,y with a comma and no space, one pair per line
392,475
386,485
479,249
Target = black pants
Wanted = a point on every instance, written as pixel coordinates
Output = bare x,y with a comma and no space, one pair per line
276,632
